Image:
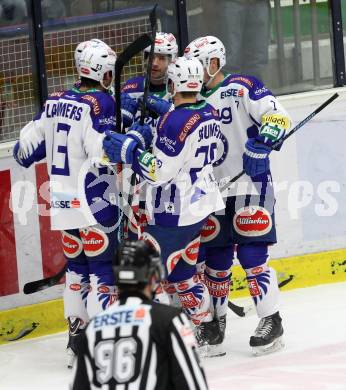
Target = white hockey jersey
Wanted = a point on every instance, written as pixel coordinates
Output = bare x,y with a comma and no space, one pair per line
69,133
182,189
241,102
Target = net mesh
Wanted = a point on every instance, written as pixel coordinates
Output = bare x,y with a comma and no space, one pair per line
16,86
17,95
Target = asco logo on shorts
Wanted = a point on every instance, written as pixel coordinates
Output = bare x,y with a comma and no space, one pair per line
252,221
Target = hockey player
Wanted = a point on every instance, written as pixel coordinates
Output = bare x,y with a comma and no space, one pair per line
181,189
252,119
136,343
165,51
69,133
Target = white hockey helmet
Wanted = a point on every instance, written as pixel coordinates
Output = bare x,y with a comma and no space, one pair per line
206,48
186,75
81,46
166,44
95,61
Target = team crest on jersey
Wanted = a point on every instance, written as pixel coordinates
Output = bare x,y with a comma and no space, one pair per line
190,254
94,241
72,246
222,150
252,221
210,229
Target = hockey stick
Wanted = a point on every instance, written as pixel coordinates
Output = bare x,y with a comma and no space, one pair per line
244,311
124,57
239,310
279,143
132,50
38,285
153,25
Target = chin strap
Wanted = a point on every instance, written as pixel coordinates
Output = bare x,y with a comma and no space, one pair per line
212,76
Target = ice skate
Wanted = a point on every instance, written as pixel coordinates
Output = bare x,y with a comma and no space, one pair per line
222,326
74,335
268,335
209,338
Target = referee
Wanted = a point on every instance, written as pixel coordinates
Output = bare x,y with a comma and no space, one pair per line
138,344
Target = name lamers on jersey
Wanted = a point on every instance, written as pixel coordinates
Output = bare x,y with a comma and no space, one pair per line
67,110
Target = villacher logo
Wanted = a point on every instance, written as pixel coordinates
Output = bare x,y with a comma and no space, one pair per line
252,221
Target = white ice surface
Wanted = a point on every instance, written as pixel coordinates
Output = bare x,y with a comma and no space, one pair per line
314,356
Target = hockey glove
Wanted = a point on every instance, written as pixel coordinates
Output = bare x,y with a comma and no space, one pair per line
119,148
273,129
129,107
17,154
27,160
141,134
255,158
156,106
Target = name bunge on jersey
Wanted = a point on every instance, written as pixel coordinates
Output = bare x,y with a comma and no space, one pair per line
67,110
118,318
209,130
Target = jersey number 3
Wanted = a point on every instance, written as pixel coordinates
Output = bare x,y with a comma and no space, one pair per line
60,164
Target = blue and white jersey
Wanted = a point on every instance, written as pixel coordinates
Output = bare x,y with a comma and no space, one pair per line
243,104
69,133
135,88
182,189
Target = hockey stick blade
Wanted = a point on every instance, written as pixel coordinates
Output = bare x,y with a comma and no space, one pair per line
42,284
296,128
240,311
124,57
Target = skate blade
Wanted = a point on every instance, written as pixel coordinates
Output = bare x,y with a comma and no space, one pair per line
71,357
210,351
270,348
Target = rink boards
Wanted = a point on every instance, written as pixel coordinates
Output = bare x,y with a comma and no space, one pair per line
310,214
295,272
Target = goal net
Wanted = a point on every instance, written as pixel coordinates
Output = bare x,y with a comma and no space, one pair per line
17,93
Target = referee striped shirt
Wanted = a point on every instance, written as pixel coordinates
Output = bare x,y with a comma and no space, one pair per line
137,344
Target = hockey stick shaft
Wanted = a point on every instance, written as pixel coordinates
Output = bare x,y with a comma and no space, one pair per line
132,50
295,129
38,285
133,180
153,25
